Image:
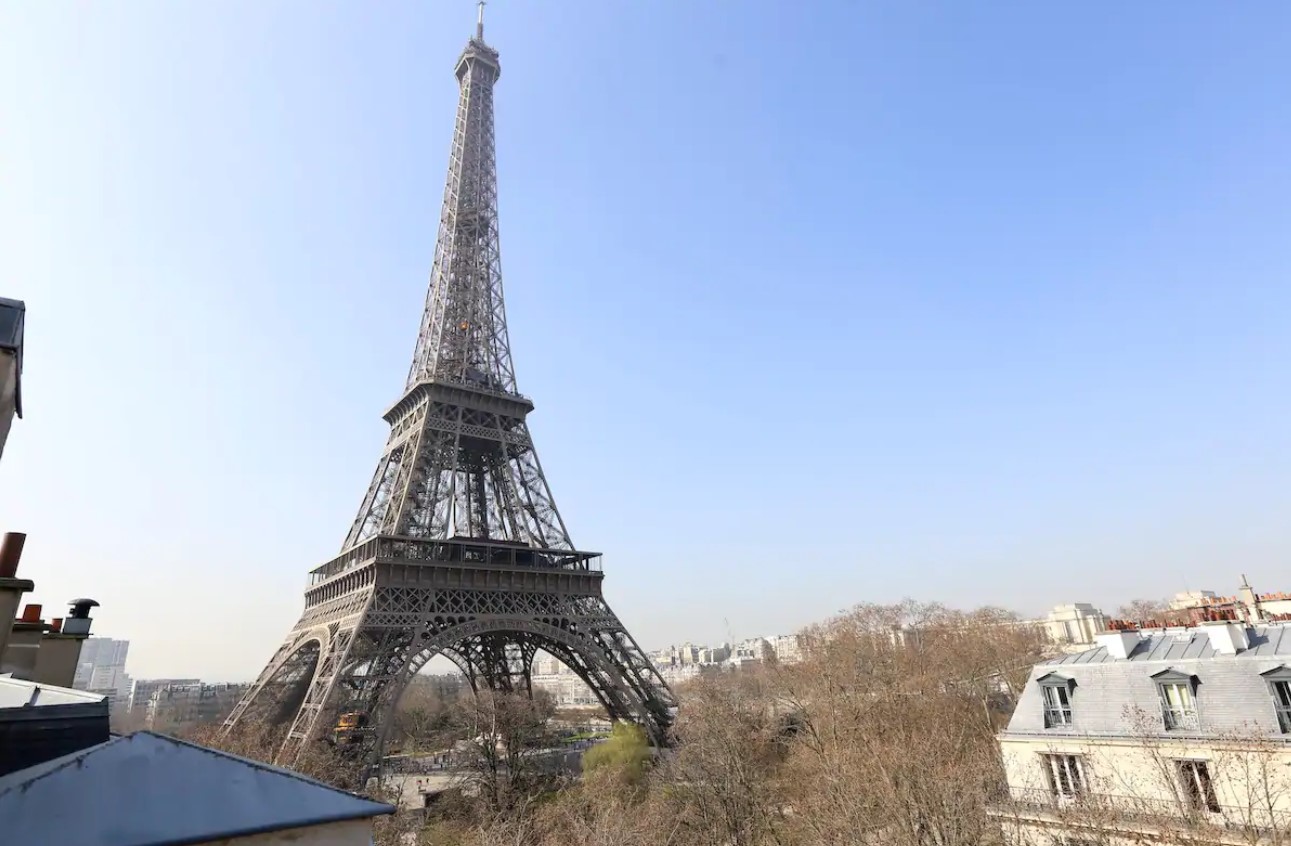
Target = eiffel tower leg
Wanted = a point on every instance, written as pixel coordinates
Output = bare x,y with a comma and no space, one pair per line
277,693
307,725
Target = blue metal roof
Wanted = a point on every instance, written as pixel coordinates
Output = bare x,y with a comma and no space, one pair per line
149,790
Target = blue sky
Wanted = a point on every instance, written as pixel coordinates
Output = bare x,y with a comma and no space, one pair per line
819,303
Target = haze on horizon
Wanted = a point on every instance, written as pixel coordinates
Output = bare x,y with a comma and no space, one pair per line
975,304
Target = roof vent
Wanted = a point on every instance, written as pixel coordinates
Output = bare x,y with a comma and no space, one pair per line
78,618
1119,644
1226,638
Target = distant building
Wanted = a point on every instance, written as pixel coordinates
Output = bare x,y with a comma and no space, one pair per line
102,669
1151,733
174,706
786,648
1074,624
566,690
141,691
755,649
1198,606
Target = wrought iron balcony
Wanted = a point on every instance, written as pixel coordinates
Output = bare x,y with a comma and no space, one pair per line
1109,812
1180,719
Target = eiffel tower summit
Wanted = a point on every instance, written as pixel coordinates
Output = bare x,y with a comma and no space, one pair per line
457,548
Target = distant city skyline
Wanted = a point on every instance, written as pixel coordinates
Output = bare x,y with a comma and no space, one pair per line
969,303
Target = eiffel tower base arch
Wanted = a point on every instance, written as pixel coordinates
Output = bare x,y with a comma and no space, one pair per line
415,599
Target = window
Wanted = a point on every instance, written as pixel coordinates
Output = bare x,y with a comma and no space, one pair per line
1178,705
1057,706
1279,680
1282,703
1198,790
1056,692
1066,775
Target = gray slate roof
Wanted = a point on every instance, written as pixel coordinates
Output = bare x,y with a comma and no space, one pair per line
145,789
1266,642
1232,697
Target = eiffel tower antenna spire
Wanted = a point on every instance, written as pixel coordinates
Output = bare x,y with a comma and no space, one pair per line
479,23
457,548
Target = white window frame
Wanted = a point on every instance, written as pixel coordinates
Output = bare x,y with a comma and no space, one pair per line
1178,705
1057,705
1066,775
1279,679
1282,704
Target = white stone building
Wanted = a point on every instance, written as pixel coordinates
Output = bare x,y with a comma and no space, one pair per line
1074,624
1162,736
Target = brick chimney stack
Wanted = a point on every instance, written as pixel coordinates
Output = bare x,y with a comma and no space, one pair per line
12,588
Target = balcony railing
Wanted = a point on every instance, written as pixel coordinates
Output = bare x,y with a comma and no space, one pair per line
1179,719
1284,719
458,551
1110,811
1058,716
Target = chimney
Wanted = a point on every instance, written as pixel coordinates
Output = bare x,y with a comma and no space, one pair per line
1119,644
12,588
11,553
1250,601
31,613
78,620
1226,637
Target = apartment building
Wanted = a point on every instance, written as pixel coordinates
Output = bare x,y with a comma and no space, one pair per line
175,706
102,669
1156,735
141,691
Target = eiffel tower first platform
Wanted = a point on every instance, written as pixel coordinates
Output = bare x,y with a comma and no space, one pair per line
458,549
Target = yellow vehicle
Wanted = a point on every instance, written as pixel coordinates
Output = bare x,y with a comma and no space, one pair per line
350,726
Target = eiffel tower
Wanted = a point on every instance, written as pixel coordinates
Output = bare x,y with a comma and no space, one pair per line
457,549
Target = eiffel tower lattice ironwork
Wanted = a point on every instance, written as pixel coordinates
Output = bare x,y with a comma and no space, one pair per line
457,549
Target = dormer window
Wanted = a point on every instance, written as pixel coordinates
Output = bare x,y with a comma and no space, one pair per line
1279,680
1178,699
1056,691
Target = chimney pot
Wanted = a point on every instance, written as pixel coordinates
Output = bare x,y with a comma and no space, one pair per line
1227,638
1118,643
31,613
56,625
11,553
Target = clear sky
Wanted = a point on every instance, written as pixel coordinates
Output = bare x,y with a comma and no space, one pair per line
819,302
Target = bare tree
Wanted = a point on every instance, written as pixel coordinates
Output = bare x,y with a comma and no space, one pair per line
899,708
423,720
502,733
721,779
1143,609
